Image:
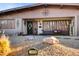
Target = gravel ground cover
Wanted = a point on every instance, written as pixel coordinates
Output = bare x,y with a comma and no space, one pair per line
58,50
67,47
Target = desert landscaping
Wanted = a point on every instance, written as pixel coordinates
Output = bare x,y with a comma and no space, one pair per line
63,46
40,30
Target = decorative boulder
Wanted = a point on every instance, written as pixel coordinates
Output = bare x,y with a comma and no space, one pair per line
51,40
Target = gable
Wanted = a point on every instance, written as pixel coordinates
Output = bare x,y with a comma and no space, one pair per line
39,12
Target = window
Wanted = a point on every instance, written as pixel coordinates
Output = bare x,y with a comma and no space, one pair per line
7,24
56,25
46,26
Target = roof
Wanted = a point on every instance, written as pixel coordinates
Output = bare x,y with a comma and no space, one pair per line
38,4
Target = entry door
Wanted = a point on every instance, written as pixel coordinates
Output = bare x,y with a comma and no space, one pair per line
29,27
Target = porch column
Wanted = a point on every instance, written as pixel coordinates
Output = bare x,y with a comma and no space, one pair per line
40,27
24,27
75,26
72,27
77,22
18,25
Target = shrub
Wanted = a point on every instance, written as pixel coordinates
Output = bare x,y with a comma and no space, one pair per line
4,45
51,40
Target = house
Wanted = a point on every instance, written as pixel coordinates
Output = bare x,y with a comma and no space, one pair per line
41,19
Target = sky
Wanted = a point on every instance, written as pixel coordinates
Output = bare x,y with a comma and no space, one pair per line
4,6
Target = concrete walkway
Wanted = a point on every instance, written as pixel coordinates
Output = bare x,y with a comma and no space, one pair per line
72,41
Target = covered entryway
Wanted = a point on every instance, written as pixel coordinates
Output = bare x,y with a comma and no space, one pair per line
32,27
49,26
29,27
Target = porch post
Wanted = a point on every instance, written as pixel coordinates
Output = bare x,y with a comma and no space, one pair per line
18,25
72,27
75,26
24,27
40,27
77,22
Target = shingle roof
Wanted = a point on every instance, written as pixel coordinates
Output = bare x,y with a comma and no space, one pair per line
38,4
18,8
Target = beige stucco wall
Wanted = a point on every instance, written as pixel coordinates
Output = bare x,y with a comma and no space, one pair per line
39,13
52,12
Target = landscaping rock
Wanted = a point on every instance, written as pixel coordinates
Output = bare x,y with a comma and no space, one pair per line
51,40
58,50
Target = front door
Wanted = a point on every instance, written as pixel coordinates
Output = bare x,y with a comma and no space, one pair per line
29,27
